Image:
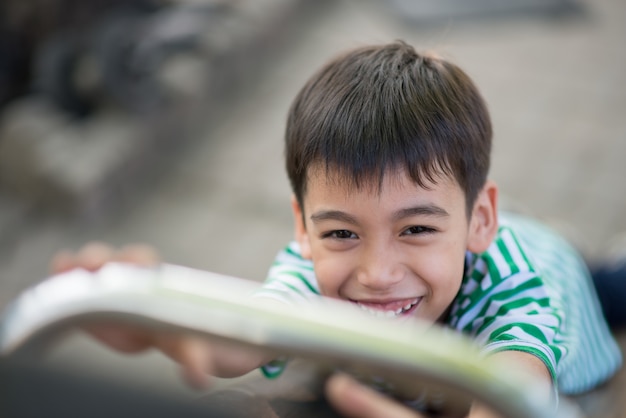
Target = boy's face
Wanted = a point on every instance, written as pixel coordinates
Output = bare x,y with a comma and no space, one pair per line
398,251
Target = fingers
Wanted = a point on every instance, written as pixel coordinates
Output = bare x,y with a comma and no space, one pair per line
91,257
355,400
62,261
193,354
120,337
140,254
95,254
195,361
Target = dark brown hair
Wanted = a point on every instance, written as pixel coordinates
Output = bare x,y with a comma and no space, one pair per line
382,108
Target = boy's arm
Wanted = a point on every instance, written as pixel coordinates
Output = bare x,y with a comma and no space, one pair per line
526,363
198,357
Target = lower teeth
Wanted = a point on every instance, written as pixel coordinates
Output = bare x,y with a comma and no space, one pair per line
386,314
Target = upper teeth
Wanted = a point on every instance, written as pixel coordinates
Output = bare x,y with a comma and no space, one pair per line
388,314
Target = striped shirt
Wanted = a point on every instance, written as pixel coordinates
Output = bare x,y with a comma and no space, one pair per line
530,291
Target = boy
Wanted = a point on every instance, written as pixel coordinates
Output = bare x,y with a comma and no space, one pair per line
387,152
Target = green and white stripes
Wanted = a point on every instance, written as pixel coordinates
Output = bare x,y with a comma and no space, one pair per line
592,354
531,292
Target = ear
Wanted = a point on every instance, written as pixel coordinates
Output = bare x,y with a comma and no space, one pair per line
484,220
301,235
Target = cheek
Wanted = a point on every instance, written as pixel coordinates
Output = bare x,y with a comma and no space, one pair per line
331,273
442,267
443,277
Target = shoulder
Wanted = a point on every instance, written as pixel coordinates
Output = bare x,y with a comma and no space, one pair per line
508,277
291,278
525,245
507,258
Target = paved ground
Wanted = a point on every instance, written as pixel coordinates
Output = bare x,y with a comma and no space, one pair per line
555,87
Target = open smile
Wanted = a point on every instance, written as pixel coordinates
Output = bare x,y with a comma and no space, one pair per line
390,309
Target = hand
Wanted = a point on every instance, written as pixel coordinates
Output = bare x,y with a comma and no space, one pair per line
91,258
355,400
96,254
193,354
358,401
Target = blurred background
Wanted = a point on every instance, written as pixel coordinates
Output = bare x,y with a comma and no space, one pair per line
161,122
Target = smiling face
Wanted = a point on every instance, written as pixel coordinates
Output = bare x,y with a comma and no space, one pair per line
397,250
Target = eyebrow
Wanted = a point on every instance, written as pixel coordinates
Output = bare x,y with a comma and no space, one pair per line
420,210
333,215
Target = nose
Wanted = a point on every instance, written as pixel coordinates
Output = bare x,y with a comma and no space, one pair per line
380,267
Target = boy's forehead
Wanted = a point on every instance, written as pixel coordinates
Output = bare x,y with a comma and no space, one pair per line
375,183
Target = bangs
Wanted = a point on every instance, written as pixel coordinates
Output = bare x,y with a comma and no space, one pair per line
363,164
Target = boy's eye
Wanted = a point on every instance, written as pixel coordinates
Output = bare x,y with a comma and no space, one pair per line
415,230
340,234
